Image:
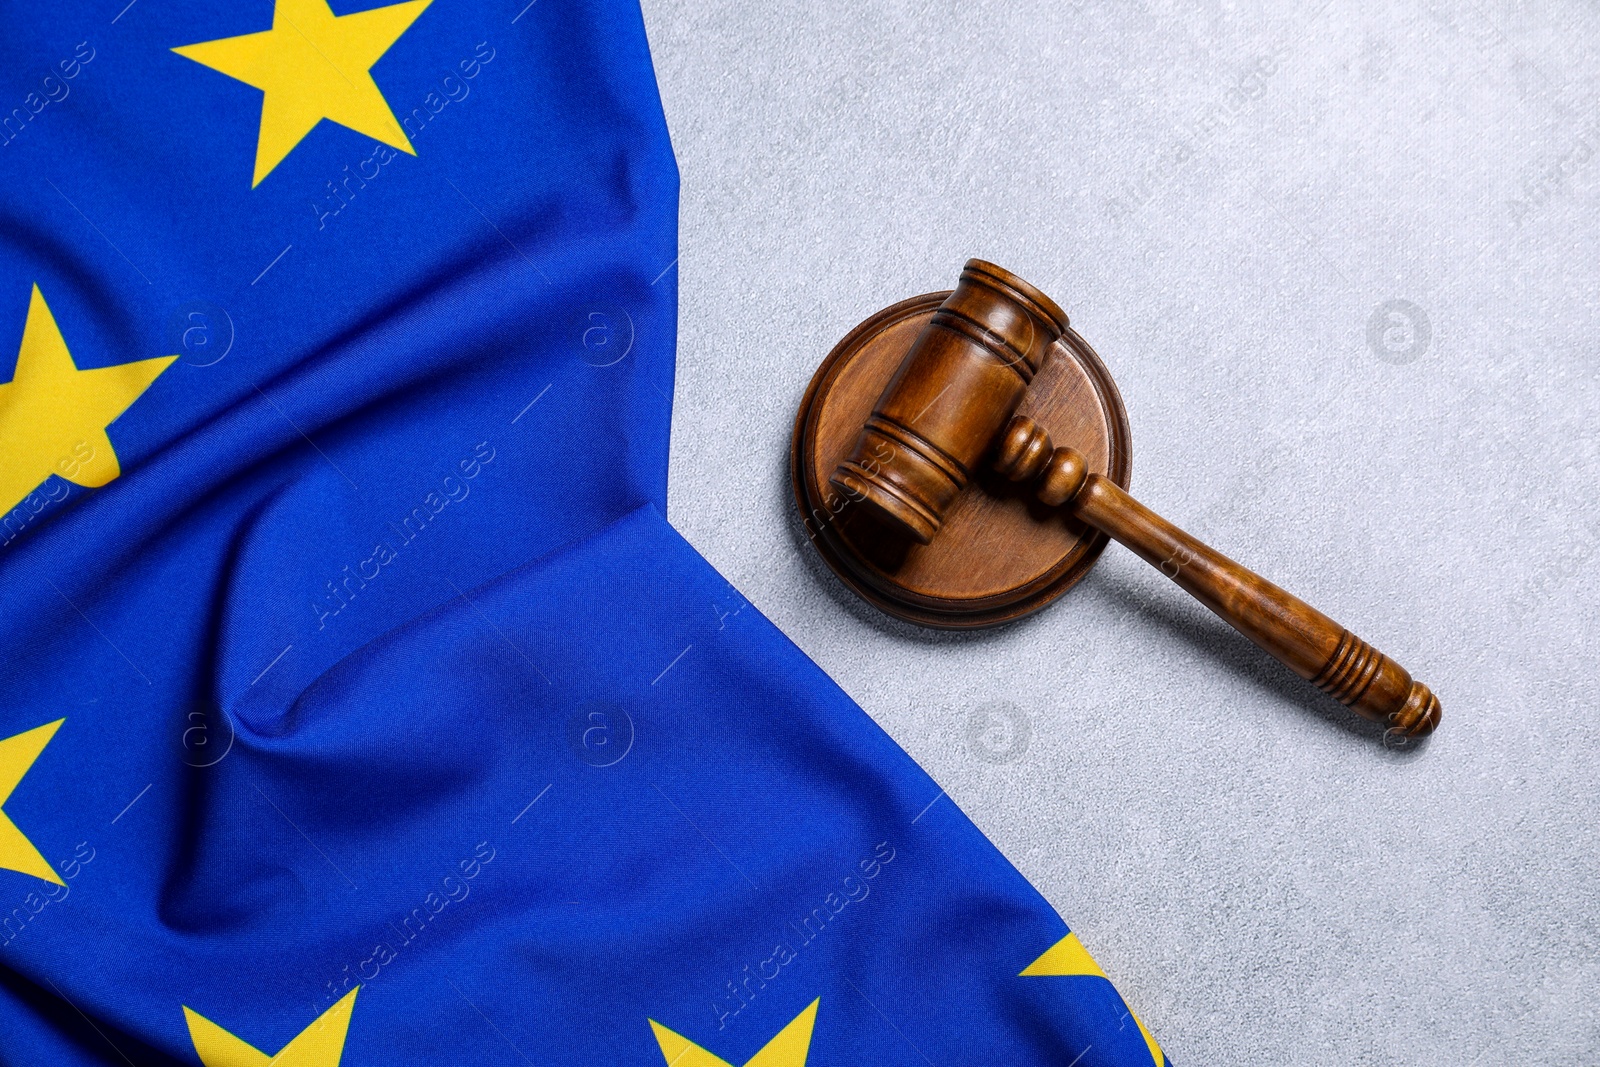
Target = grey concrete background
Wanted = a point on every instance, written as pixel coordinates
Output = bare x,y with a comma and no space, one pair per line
1223,197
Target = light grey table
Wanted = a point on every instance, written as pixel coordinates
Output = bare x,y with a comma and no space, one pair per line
1343,262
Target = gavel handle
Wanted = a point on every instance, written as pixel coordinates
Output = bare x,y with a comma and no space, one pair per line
1303,638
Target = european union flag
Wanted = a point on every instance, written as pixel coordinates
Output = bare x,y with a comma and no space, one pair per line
360,706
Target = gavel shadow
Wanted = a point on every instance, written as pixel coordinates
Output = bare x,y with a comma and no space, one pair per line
1206,636
1192,628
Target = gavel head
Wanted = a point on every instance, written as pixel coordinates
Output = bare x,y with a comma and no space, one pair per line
956,389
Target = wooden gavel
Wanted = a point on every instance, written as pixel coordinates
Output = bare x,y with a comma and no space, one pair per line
952,404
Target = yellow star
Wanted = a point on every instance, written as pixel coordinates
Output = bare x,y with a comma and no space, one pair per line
319,1045
53,416
788,1049
1069,957
313,65
16,757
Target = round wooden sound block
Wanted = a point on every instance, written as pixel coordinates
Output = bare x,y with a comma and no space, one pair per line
1000,554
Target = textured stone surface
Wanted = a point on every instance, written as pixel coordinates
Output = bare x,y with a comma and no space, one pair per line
1223,199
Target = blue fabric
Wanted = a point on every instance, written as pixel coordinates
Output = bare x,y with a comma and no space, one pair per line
377,665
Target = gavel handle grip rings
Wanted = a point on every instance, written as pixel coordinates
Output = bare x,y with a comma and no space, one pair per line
1303,638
